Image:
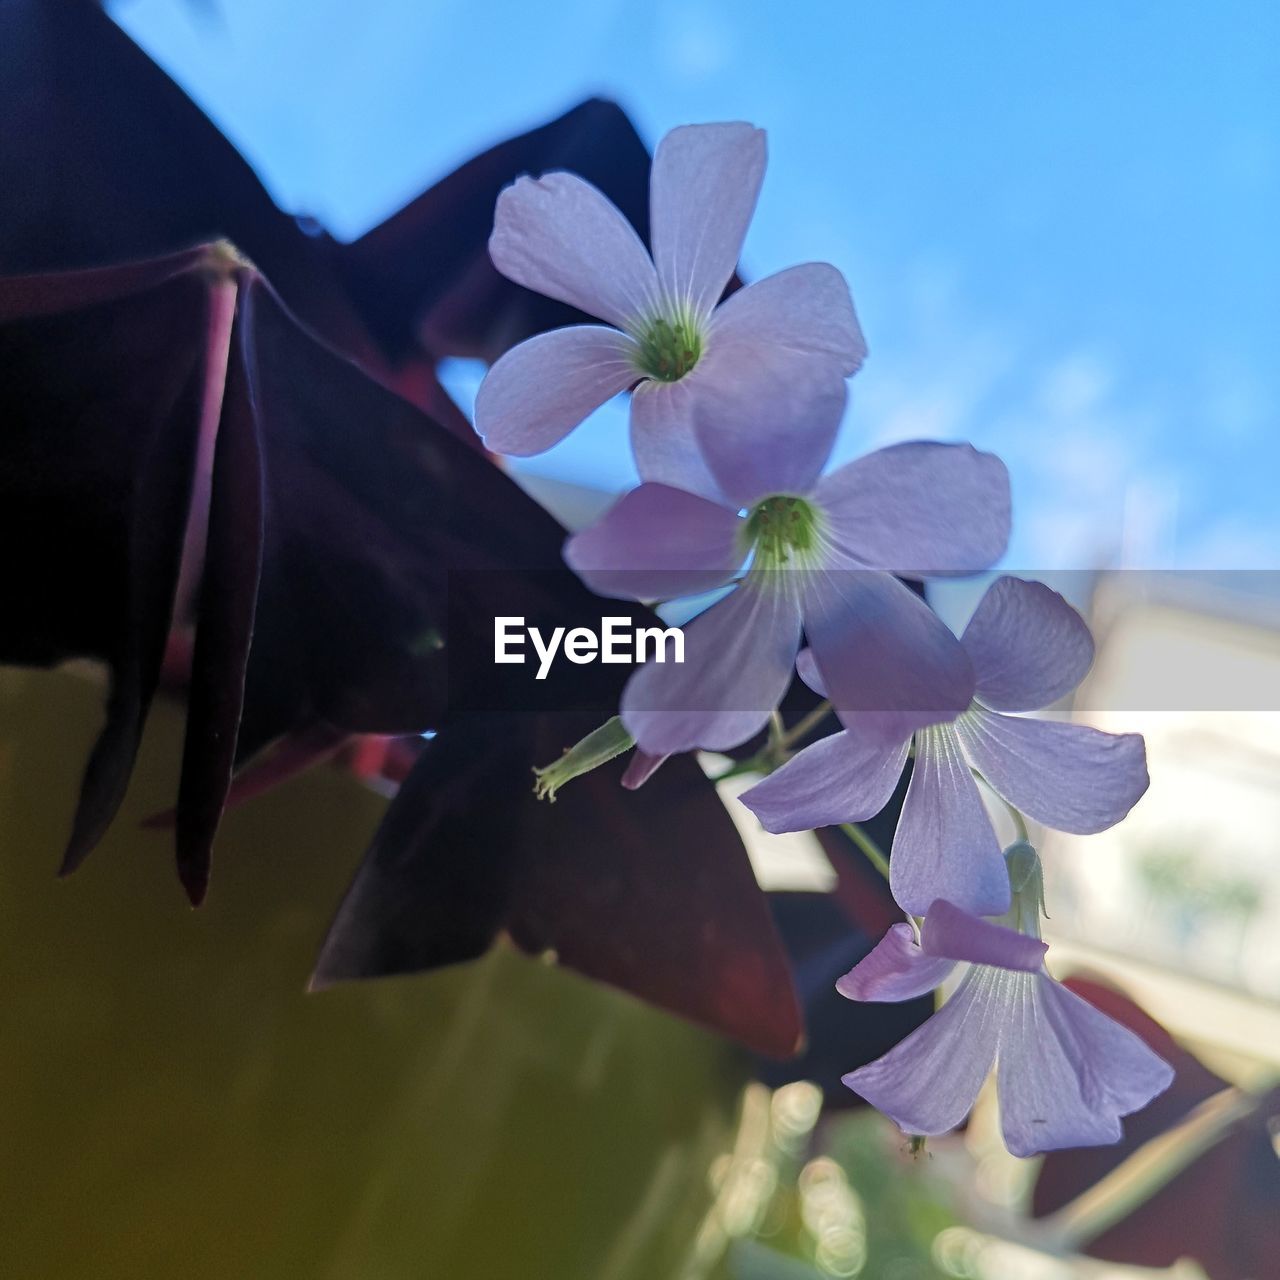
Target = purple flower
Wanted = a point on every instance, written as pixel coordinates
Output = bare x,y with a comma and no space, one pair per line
1028,647
1065,1072
817,552
562,238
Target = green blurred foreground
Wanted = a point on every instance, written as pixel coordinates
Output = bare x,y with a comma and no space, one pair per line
176,1105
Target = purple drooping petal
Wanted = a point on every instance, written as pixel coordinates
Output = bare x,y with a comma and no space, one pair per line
928,1083
888,662
703,190
539,391
894,969
807,670
920,509
1067,1072
945,846
1116,1067
840,778
1028,646
640,768
739,657
953,934
765,419
657,543
560,237
1067,776
805,308
662,438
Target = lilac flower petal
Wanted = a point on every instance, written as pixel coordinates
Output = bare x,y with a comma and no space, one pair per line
806,308
560,237
928,1083
1027,644
662,438
1067,776
656,543
944,846
540,390
703,190
1066,1072
765,419
807,670
739,657
894,969
920,509
840,778
953,934
1117,1068
1041,1105
640,768
889,664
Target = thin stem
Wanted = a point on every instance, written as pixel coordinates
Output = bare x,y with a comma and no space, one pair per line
806,724
1019,822
1152,1166
875,855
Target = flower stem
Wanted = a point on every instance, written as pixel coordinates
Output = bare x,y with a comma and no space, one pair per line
777,749
875,855
1150,1168
1019,822
806,724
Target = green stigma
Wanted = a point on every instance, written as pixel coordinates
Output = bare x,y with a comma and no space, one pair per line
669,347
781,529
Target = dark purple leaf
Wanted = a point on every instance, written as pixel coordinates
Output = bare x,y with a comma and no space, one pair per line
455,302
387,549
339,517
104,160
648,890
140,171
105,377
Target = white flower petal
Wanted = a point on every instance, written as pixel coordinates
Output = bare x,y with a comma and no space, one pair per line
945,846
662,436
739,658
561,237
928,1083
706,179
657,543
805,308
1068,776
543,388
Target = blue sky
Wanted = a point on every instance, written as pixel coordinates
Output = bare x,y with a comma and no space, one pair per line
1059,221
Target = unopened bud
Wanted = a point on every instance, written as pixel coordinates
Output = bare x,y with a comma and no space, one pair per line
597,748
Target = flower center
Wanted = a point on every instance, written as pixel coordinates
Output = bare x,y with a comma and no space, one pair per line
781,529
669,347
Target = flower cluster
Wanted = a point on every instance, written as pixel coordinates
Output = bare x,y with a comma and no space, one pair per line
735,406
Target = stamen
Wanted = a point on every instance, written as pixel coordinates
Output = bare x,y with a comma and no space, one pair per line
782,530
670,346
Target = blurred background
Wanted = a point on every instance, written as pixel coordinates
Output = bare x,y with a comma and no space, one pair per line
1059,225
